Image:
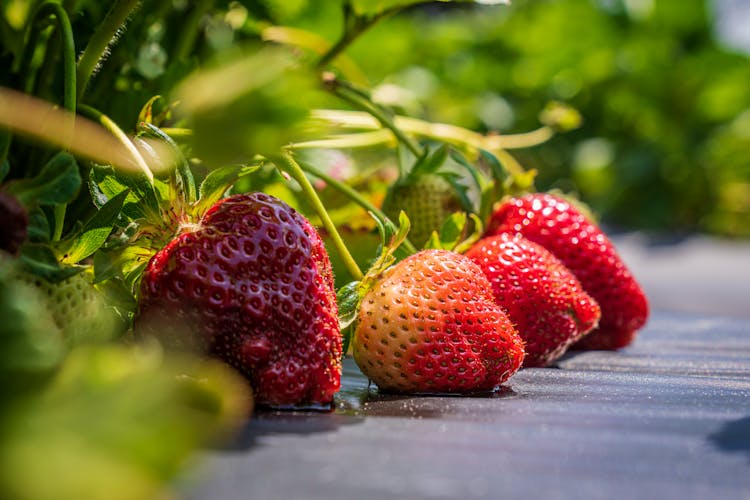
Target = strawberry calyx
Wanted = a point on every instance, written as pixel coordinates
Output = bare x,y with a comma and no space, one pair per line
457,234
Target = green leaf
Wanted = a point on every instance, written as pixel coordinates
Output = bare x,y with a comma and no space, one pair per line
477,230
430,163
96,230
118,295
457,234
185,178
452,230
41,261
218,181
146,114
39,230
461,190
106,265
499,172
57,183
348,298
105,182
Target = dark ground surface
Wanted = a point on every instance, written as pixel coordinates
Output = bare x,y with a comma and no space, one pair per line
666,418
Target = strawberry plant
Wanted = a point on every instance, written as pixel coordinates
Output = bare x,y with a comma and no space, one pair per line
169,186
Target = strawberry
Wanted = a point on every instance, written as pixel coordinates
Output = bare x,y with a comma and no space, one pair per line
251,284
565,231
427,199
430,325
541,296
78,309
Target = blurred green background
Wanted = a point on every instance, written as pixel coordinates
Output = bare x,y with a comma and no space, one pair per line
665,140
665,143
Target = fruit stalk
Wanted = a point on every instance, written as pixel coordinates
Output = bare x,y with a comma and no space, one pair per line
102,38
355,197
356,98
116,131
69,90
288,164
460,137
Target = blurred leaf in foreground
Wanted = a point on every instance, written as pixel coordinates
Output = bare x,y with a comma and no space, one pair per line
252,104
115,423
101,421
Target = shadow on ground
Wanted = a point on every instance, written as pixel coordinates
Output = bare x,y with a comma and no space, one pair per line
734,437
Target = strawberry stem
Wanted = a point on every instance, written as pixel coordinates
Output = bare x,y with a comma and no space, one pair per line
121,136
103,37
355,197
354,26
288,164
462,138
69,87
315,43
359,99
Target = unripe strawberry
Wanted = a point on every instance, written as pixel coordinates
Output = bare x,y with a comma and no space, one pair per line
430,324
251,284
78,309
565,231
427,199
542,298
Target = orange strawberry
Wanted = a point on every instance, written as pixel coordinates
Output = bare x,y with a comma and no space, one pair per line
430,324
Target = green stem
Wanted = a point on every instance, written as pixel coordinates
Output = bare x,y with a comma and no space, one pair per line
121,136
24,65
450,134
358,100
355,197
522,140
289,165
69,90
354,26
102,38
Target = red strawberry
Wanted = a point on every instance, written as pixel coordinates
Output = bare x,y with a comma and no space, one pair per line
251,284
430,325
584,249
541,296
